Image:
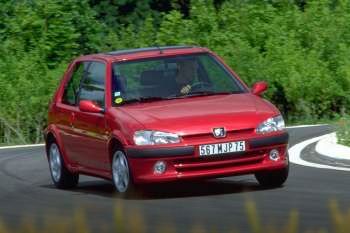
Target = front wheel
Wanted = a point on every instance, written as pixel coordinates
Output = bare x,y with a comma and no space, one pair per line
121,174
275,178
61,176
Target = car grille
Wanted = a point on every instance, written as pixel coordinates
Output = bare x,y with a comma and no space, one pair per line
209,138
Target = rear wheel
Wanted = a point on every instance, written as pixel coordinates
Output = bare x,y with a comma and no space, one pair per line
275,178
121,173
61,176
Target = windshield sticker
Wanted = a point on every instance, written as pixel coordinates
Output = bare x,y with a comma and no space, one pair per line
117,93
118,100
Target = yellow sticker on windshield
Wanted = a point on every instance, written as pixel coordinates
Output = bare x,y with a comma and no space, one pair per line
118,100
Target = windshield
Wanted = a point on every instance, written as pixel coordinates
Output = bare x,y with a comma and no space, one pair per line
171,77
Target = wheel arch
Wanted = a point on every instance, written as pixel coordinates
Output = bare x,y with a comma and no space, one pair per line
52,135
114,143
118,143
49,138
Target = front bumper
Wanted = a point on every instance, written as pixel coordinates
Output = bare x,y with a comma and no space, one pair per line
185,163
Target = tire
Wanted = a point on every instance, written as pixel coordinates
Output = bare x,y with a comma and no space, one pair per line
61,176
122,178
275,178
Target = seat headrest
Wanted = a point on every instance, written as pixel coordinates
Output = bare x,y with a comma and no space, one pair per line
151,77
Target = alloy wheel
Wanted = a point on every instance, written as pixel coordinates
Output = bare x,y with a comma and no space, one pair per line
120,171
55,162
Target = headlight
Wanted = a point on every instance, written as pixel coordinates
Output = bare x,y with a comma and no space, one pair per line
272,124
150,137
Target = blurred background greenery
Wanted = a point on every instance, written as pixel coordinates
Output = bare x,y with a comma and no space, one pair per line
301,47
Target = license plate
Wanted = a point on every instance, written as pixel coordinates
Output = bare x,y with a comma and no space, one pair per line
221,148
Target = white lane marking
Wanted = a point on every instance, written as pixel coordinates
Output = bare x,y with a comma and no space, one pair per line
295,152
304,126
328,147
20,146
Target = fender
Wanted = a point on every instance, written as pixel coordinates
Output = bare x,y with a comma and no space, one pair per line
118,135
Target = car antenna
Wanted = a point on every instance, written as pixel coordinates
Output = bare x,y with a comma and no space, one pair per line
160,49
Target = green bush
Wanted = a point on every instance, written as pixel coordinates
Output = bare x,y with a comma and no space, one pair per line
301,48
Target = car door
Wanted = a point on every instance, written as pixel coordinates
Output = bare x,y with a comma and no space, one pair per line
67,108
90,128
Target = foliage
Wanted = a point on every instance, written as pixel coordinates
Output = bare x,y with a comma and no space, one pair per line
343,130
301,48
38,40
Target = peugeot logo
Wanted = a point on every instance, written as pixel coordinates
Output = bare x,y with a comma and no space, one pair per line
219,132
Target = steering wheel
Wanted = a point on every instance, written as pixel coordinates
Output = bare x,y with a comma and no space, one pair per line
199,85
194,87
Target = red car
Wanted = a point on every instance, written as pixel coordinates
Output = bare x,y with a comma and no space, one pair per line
162,114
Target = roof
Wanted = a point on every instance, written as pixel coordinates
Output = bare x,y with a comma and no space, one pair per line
149,52
160,49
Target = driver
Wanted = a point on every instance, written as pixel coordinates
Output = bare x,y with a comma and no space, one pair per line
185,76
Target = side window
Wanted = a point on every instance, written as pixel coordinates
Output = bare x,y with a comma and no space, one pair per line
72,88
93,84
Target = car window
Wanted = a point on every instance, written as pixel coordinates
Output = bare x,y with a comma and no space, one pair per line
72,88
129,79
93,84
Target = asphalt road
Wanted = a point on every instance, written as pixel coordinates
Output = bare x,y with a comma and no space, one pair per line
26,190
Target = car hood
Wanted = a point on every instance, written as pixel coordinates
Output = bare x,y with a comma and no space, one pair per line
198,115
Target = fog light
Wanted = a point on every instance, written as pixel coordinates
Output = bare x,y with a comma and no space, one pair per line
159,167
274,155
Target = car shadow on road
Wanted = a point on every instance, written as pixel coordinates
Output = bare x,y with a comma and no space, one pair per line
171,190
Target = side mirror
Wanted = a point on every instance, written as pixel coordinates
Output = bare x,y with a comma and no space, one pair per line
259,88
89,106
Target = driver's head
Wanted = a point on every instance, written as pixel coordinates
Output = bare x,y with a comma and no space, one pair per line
186,71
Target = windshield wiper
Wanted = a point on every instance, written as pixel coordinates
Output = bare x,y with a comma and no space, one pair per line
157,98
203,93
143,99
